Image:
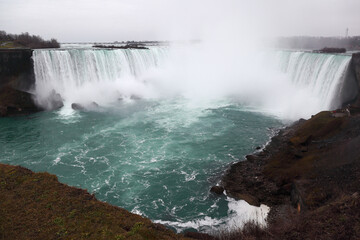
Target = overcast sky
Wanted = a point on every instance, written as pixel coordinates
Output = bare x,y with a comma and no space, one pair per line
117,20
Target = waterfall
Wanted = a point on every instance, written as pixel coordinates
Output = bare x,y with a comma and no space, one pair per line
307,83
323,75
69,72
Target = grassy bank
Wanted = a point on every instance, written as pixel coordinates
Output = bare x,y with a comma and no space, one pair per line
37,206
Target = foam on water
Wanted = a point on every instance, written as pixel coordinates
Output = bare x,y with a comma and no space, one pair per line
130,157
239,213
289,85
169,123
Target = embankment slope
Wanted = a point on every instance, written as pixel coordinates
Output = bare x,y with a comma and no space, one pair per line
37,206
310,175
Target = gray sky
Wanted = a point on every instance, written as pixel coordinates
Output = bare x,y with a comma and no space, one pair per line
111,20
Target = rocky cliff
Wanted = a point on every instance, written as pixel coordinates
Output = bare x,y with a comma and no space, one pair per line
309,174
355,64
17,79
17,69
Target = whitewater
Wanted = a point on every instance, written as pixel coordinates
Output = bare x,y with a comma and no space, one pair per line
161,125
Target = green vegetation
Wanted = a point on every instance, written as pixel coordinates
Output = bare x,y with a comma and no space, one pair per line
37,206
25,40
9,45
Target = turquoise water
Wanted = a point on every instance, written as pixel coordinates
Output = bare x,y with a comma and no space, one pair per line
158,158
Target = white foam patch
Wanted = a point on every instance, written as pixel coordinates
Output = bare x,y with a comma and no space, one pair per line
138,212
57,160
239,213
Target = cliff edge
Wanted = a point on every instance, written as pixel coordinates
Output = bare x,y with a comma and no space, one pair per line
17,79
37,206
310,176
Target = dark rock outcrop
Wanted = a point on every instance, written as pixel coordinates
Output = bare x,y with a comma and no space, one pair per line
17,69
15,102
127,46
250,199
217,190
77,107
355,74
52,102
330,50
356,65
309,172
80,107
16,80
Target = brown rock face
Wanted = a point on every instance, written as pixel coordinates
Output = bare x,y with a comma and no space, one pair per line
252,200
16,79
15,102
356,66
17,69
309,175
217,190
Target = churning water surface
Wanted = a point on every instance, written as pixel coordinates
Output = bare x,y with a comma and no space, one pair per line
160,135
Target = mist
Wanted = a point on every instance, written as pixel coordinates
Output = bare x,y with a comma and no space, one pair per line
228,60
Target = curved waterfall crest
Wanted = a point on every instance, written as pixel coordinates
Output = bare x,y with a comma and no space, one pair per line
310,82
66,71
323,75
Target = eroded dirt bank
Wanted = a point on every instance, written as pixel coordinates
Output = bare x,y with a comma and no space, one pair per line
310,176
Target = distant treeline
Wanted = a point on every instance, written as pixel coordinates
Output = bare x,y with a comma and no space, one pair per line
314,43
27,40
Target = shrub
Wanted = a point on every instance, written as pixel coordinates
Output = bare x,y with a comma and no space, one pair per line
30,41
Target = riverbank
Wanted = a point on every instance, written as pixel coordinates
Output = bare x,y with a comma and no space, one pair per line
309,175
37,206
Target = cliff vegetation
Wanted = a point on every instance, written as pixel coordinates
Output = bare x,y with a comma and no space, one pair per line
37,206
25,40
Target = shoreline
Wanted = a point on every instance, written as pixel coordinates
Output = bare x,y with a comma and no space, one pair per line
307,170
304,172
38,206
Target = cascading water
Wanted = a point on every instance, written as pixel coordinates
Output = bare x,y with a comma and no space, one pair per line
76,72
310,82
322,75
159,156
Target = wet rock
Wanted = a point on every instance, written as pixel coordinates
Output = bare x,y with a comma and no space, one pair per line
252,200
94,105
55,100
135,97
77,107
80,107
217,190
251,158
258,148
